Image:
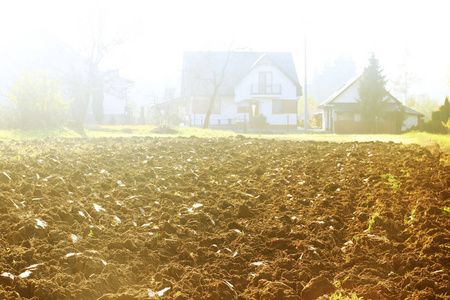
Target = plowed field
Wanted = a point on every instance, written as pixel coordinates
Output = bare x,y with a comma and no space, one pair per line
228,218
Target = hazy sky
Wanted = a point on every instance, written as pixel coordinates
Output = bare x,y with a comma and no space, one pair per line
156,33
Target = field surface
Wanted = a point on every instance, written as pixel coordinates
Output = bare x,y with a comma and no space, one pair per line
222,218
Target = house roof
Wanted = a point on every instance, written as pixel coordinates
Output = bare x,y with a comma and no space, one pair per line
336,94
202,68
394,103
410,111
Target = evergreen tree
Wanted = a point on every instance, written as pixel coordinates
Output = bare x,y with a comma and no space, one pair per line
372,93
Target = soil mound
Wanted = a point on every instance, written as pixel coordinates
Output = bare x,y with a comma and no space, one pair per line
164,130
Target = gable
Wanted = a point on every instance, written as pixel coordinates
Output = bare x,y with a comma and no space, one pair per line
346,94
265,80
349,95
278,75
266,62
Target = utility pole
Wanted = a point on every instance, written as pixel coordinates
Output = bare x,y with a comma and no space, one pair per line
406,87
306,91
406,75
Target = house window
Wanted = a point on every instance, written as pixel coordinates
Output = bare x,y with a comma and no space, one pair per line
290,106
265,83
284,106
277,106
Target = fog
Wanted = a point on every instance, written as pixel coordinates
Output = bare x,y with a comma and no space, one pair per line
406,36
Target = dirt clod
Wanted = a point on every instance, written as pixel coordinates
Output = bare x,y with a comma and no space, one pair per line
317,287
244,212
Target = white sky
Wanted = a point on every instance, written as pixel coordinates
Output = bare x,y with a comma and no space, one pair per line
157,32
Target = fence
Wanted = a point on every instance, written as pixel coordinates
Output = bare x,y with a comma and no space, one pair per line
243,123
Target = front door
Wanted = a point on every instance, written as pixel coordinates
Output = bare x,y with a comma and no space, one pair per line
253,110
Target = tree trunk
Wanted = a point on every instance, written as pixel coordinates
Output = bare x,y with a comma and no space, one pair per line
97,102
210,107
216,85
85,104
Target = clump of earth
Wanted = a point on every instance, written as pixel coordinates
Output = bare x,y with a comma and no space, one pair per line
164,130
222,218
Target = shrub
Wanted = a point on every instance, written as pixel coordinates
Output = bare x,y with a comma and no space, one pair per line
439,119
6,117
36,101
259,121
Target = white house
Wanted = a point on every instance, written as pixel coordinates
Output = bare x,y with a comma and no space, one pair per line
341,112
248,84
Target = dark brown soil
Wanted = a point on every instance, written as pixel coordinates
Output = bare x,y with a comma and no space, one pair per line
230,218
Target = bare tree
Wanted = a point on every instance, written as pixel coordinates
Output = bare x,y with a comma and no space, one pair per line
80,71
206,74
216,82
93,87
